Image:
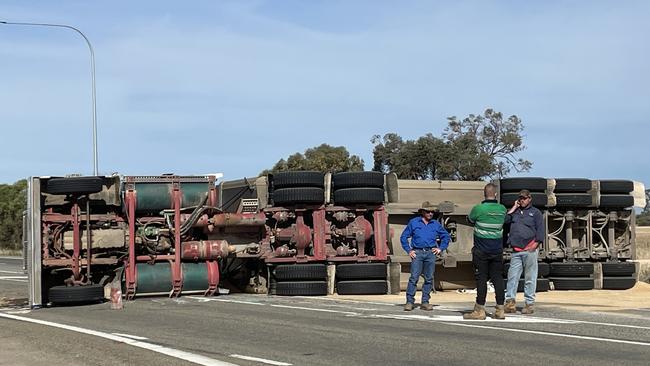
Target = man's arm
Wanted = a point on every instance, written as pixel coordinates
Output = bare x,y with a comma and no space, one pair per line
472,215
444,238
539,227
406,234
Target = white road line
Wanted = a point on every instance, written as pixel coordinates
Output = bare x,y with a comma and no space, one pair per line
131,336
610,340
459,318
13,277
13,280
206,299
187,356
312,309
14,272
263,360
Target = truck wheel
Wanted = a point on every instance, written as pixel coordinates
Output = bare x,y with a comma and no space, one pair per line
298,179
573,200
572,185
618,269
370,287
358,179
361,271
571,269
616,201
358,195
311,195
533,184
618,283
60,295
616,186
572,283
74,185
300,272
539,199
304,288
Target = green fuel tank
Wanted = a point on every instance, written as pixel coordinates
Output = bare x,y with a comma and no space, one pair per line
157,278
154,194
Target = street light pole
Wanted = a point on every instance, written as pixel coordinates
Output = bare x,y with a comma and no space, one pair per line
92,69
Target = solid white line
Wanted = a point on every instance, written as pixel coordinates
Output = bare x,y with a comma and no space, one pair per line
13,258
131,336
312,309
187,356
263,360
14,272
552,334
12,277
206,299
13,280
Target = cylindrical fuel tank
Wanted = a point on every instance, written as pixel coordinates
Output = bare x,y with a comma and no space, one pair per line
157,278
157,196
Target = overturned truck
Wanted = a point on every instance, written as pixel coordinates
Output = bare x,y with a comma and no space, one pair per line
298,233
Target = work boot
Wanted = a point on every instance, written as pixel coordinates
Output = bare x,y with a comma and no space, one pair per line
499,312
528,309
477,314
510,307
427,307
408,306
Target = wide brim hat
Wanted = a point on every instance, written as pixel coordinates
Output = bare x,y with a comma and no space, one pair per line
427,206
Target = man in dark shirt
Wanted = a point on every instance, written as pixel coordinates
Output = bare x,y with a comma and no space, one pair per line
424,233
526,234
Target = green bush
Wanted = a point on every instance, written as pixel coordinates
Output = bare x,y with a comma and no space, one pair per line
13,200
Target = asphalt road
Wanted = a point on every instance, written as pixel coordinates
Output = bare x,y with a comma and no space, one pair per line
312,331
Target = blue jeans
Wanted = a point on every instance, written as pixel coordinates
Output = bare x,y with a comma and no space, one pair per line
528,262
423,264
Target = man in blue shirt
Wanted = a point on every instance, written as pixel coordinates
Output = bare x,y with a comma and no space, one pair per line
424,233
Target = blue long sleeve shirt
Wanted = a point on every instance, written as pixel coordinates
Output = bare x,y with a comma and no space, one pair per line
424,236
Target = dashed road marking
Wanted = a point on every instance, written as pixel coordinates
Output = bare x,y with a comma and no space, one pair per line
131,336
262,360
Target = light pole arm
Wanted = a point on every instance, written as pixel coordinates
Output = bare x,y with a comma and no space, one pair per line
92,70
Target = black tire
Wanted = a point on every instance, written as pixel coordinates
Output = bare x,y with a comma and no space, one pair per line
362,271
74,185
573,200
616,201
370,287
543,285
61,295
298,179
358,179
543,270
300,272
309,195
618,283
618,269
273,287
572,185
616,186
358,195
533,184
571,269
303,288
539,199
572,283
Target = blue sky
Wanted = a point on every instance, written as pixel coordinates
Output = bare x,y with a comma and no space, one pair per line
233,86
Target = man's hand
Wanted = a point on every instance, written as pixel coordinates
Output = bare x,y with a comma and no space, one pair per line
412,254
436,251
514,207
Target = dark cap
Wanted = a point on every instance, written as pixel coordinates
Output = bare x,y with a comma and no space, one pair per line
524,193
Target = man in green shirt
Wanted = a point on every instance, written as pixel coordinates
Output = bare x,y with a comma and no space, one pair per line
487,254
